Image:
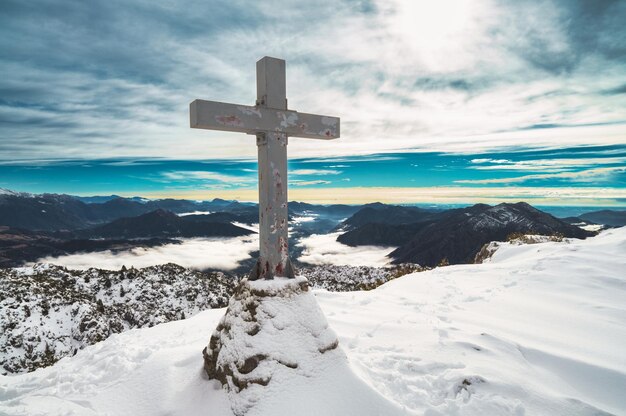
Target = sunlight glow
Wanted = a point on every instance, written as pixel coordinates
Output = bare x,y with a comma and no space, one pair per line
437,31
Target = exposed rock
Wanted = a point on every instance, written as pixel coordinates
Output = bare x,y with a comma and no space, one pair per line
488,250
350,278
269,327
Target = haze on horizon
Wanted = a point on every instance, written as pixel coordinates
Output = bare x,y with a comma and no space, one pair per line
441,102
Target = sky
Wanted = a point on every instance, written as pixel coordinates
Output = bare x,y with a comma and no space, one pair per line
451,101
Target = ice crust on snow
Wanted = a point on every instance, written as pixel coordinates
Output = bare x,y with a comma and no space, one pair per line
539,330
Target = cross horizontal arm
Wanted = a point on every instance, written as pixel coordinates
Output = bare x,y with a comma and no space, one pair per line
213,115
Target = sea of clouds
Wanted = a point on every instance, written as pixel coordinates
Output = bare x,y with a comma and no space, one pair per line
320,249
224,254
196,253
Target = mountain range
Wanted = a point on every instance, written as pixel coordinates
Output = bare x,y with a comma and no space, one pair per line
162,223
56,212
606,217
35,226
449,237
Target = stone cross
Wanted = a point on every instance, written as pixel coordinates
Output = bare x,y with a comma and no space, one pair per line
272,123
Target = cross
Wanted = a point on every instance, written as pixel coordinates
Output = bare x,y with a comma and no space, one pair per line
272,123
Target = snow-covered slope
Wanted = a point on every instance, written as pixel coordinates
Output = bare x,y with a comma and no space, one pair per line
539,330
48,312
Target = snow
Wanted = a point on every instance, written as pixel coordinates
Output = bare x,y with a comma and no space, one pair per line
319,249
590,227
184,214
252,227
539,330
283,335
4,191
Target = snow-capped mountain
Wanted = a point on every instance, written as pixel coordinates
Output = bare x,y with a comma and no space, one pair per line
454,236
539,330
5,192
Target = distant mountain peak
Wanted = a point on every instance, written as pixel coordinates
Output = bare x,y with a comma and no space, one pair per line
427,237
376,205
8,192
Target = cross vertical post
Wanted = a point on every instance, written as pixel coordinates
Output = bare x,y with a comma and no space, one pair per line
272,123
272,150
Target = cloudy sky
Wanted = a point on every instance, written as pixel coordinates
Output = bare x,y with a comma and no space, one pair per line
448,98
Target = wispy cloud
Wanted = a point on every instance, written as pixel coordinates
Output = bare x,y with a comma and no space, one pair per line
488,160
131,162
354,158
308,183
314,172
587,175
207,176
544,165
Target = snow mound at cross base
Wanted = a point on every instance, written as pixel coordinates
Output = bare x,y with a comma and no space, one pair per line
272,344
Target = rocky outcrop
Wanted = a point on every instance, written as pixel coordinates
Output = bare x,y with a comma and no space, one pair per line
49,312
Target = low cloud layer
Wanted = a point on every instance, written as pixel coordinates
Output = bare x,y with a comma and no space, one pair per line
224,254
320,249
197,253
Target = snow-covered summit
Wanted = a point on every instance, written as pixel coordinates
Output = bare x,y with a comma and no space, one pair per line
8,192
274,337
540,330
